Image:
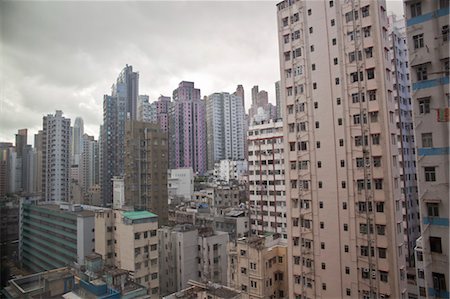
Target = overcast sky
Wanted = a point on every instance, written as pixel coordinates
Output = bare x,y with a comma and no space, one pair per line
66,55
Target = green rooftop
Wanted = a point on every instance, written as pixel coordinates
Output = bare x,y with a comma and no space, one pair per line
136,215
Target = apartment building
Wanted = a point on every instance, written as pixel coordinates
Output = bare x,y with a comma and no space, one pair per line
406,142
128,240
257,266
190,253
53,236
187,129
345,217
225,128
146,161
266,177
55,158
427,30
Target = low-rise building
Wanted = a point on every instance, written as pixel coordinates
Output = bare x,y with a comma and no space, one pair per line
54,235
128,240
258,266
190,253
180,183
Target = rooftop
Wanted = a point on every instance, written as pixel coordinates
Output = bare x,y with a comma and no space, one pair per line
135,215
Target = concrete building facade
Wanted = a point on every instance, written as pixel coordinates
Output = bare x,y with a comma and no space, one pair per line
54,236
427,31
128,240
190,253
55,157
345,219
257,266
225,128
266,177
146,159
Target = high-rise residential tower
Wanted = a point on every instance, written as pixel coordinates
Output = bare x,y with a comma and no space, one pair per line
188,129
146,163
55,157
225,128
405,139
266,177
278,100
428,35
345,221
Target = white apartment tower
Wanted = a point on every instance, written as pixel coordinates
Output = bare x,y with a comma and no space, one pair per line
266,169
343,189
225,128
427,30
405,138
55,157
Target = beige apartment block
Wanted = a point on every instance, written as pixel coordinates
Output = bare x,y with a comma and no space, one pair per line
257,266
345,223
428,35
128,240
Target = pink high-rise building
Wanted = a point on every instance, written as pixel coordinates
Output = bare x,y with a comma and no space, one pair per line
187,129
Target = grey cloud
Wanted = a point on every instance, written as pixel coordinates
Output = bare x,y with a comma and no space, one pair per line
65,55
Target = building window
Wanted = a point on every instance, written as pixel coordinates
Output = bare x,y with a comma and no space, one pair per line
445,33
314,85
384,276
372,94
416,9
433,209
345,227
424,105
380,207
348,292
421,72
439,282
427,139
418,41
336,81
285,21
365,11
370,73
382,253
345,248
335,61
333,22
430,174
435,244
338,101
341,142
340,121
333,41
378,184
331,3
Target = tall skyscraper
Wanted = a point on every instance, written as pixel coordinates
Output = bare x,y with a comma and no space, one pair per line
427,30
345,217
21,160
146,164
127,87
188,129
88,168
55,157
225,128
77,141
117,108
